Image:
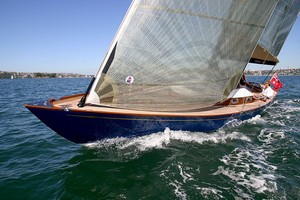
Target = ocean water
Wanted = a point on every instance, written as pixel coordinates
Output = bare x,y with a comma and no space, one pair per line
254,159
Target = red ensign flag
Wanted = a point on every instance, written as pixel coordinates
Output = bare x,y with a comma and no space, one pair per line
276,82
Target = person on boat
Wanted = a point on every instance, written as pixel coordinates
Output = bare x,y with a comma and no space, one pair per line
242,82
267,90
266,85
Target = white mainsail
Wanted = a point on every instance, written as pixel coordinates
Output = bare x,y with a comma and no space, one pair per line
174,55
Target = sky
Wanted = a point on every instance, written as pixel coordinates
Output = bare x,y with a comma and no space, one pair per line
72,36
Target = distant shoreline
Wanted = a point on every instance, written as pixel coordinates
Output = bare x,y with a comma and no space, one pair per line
14,75
272,74
17,75
280,72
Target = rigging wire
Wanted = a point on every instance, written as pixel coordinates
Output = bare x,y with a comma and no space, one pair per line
268,74
245,100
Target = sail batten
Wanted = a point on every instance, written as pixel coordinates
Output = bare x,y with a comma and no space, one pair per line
172,53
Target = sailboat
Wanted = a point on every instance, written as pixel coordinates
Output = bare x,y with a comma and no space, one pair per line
176,64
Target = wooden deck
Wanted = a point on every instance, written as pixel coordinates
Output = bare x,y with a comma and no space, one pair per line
71,102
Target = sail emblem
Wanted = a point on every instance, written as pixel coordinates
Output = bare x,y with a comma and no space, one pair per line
129,80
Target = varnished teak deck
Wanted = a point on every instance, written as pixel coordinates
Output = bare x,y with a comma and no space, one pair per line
72,101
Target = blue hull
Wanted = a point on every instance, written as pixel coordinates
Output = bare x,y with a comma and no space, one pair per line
84,127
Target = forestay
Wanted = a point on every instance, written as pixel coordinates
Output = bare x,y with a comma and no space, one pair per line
175,55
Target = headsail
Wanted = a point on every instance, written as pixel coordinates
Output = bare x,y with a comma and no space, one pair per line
173,55
276,32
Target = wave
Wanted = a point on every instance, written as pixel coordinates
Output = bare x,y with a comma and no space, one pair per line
256,120
249,169
269,136
162,139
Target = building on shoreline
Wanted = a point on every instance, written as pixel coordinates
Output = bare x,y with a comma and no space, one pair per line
280,72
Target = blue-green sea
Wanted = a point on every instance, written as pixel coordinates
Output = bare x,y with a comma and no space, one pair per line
254,159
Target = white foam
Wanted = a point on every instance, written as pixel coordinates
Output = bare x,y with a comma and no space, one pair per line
179,192
291,109
185,176
207,192
256,120
106,142
288,106
162,139
156,140
278,122
268,136
233,123
249,168
178,182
